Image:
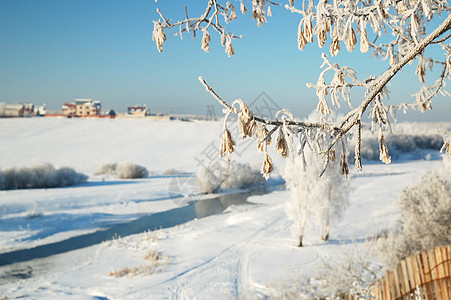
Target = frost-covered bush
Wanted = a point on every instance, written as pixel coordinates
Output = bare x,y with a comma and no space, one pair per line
125,170
67,176
400,144
130,171
40,176
425,215
106,169
223,176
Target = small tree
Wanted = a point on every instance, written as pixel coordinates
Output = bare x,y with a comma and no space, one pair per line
398,31
315,200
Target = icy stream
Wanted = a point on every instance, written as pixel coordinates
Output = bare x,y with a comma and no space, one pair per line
19,264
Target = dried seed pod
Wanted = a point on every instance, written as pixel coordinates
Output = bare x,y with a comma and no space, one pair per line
421,70
229,48
158,36
321,92
281,144
383,150
243,8
206,41
321,36
267,167
245,118
332,155
364,45
232,14
335,46
351,40
262,142
343,165
301,40
227,145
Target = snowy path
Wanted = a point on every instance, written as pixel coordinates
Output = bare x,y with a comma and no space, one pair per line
233,263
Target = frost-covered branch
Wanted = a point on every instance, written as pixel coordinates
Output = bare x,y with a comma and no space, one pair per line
215,16
399,30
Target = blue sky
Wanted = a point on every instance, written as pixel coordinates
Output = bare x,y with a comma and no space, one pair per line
54,51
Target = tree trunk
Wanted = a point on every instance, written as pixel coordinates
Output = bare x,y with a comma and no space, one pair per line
325,237
301,230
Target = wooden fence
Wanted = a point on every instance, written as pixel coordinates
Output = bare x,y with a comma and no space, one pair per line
427,275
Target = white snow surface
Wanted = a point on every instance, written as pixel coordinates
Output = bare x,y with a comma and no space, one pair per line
243,252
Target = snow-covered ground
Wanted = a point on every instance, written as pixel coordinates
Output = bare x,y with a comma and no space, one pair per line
248,250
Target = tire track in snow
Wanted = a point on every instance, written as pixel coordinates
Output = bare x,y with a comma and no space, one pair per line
231,267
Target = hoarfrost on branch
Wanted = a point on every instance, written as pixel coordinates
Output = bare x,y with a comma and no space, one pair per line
395,30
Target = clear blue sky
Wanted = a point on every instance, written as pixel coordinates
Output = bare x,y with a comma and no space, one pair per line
53,51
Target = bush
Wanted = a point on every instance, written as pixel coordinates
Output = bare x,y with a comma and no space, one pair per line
130,171
107,169
40,176
425,215
123,170
223,176
398,144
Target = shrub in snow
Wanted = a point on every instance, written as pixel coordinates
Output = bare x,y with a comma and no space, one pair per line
425,208
123,170
172,171
130,171
40,176
106,169
222,176
399,144
315,200
67,176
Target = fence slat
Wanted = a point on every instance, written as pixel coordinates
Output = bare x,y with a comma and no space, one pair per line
448,265
427,276
434,274
397,284
411,276
417,274
405,278
441,273
391,280
387,286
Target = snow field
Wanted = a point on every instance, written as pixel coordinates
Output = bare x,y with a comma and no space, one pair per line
248,251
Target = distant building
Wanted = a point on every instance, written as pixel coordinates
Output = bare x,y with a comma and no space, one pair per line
11,110
41,110
69,109
138,111
21,110
82,108
87,107
29,109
